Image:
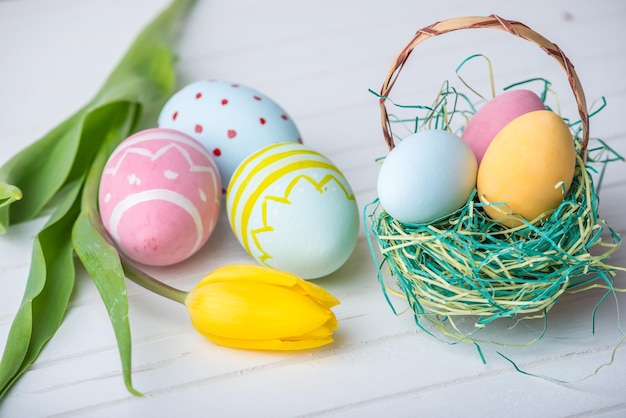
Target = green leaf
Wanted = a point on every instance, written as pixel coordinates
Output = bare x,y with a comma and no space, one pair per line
8,195
103,264
145,75
52,276
100,258
48,289
52,157
53,170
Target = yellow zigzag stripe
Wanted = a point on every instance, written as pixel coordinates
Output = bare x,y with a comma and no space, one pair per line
250,203
264,163
319,186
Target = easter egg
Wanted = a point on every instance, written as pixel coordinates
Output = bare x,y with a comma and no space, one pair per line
528,166
292,209
231,120
159,196
495,115
428,175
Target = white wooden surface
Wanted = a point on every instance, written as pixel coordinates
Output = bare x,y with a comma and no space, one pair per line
318,59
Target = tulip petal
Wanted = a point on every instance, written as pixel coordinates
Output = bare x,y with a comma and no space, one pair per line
322,332
252,273
255,307
249,310
318,293
255,273
274,344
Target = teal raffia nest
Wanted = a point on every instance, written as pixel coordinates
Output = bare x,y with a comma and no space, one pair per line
468,265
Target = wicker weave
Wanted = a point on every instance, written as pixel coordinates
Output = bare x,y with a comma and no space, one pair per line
467,264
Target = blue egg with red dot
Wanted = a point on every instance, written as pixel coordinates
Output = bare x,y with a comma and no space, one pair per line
230,120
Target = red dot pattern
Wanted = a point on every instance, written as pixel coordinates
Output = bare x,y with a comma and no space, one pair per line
230,133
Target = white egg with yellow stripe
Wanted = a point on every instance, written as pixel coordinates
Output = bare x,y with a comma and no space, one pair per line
293,210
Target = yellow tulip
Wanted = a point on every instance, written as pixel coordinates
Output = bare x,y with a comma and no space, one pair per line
254,307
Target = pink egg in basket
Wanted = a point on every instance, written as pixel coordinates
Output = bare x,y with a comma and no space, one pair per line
159,196
495,115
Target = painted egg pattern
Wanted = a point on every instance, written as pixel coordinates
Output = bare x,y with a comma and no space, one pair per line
231,120
160,196
292,209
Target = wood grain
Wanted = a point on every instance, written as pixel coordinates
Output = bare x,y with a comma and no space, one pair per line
318,60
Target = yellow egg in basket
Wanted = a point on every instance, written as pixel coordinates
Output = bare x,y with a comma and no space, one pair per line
527,168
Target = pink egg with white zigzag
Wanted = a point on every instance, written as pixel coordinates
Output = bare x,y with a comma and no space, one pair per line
160,196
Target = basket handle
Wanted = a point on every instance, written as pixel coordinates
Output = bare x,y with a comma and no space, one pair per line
478,22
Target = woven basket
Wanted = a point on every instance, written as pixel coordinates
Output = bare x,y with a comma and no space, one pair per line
466,265
479,22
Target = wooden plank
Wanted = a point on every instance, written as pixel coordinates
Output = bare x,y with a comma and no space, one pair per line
317,59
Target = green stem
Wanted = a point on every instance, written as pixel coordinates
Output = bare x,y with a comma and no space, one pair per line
148,282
